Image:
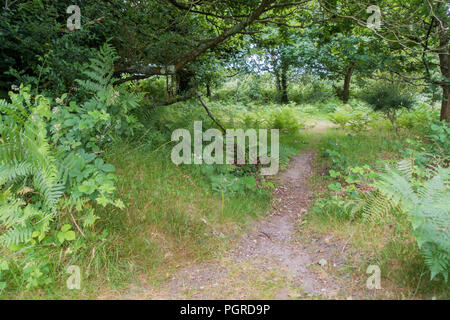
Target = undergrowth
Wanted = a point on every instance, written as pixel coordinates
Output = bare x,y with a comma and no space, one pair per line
354,201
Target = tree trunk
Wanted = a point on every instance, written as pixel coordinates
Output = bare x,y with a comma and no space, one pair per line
184,81
277,80
347,80
445,108
444,61
208,90
276,71
284,93
168,88
172,85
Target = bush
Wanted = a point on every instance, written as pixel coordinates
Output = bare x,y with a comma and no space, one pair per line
339,208
418,119
354,119
340,118
51,172
286,120
310,90
388,99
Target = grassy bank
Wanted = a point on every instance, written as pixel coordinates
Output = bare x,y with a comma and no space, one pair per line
338,210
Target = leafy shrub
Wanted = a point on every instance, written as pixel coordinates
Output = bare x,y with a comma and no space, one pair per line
330,105
388,99
418,119
154,89
229,185
248,89
105,112
286,120
440,148
433,151
51,167
355,119
358,122
340,118
310,90
341,151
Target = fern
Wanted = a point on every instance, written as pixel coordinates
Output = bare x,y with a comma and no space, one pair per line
377,207
428,210
26,156
17,235
14,171
8,212
16,110
99,72
406,166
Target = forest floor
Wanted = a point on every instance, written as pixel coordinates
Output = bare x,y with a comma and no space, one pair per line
274,259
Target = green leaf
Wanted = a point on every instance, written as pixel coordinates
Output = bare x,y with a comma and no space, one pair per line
66,228
4,266
108,168
61,237
70,235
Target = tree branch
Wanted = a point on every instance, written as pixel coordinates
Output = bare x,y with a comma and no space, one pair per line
209,113
202,48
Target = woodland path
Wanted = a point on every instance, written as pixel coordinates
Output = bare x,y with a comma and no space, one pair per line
272,260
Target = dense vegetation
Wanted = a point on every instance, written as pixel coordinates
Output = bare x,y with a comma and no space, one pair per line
87,116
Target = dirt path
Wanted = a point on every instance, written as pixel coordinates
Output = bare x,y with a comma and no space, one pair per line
276,258
274,242
318,126
270,260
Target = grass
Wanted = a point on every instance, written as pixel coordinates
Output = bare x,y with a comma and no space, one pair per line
387,243
165,225
173,219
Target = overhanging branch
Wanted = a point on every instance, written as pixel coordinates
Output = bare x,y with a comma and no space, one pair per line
264,6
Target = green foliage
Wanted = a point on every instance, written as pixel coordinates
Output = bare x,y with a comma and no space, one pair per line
418,119
433,151
18,109
341,149
353,195
286,120
248,89
310,89
355,117
51,168
440,137
105,112
341,209
388,98
27,165
229,185
428,209
36,49
340,118
57,179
